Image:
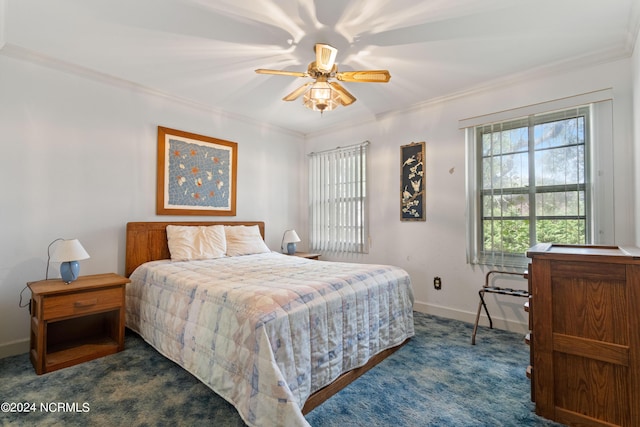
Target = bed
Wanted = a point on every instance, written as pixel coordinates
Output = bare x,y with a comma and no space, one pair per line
275,335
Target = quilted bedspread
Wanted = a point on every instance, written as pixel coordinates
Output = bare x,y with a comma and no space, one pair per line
265,331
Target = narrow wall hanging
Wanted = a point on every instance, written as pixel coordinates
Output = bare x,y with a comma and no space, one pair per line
412,194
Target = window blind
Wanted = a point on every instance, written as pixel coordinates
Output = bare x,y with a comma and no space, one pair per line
532,185
595,193
338,203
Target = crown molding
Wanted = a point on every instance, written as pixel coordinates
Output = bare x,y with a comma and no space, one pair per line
634,27
563,66
548,70
20,53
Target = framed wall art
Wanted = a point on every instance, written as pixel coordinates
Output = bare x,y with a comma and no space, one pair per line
412,194
196,174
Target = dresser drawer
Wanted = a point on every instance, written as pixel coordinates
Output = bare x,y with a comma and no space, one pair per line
82,302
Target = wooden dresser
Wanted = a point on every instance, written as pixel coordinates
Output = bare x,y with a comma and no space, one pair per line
585,339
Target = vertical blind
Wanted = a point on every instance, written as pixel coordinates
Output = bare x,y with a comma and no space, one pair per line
338,203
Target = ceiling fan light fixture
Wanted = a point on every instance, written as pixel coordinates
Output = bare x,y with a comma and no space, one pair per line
324,95
321,97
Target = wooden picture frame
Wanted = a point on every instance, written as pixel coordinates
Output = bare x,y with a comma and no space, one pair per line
196,174
412,193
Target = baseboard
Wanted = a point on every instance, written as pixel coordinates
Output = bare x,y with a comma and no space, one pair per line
14,347
468,317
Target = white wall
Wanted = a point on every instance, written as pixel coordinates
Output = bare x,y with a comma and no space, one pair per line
78,160
636,130
437,247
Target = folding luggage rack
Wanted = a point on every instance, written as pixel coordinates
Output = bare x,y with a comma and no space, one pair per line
495,290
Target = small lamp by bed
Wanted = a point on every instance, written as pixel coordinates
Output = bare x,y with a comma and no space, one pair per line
290,238
69,252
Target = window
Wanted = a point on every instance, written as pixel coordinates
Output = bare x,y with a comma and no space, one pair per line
338,206
532,184
549,177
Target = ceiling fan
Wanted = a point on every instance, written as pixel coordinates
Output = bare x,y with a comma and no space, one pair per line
323,94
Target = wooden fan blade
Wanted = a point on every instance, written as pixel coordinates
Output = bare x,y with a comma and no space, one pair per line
282,72
370,76
325,57
296,93
345,97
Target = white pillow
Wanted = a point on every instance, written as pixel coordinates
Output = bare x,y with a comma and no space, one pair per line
187,242
244,240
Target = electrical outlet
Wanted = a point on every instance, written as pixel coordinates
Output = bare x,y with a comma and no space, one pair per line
437,283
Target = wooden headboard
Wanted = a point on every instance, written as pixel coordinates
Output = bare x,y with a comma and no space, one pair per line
147,241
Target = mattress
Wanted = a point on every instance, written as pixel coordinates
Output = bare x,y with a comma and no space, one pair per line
265,331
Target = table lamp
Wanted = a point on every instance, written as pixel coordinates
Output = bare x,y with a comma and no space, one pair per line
290,238
69,252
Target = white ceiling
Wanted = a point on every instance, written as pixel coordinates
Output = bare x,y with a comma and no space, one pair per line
204,52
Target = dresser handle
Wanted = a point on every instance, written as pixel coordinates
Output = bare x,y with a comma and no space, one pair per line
86,303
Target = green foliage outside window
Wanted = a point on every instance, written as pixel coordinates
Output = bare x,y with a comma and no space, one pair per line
512,236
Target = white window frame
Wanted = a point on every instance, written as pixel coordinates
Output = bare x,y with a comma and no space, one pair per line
600,187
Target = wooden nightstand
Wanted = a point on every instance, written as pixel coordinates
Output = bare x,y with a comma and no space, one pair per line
307,255
76,322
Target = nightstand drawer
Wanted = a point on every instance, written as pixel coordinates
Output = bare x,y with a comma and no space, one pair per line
82,302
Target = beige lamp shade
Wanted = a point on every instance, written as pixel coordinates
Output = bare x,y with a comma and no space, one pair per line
69,250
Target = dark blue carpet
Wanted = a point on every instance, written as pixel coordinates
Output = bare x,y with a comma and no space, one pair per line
437,379
440,379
